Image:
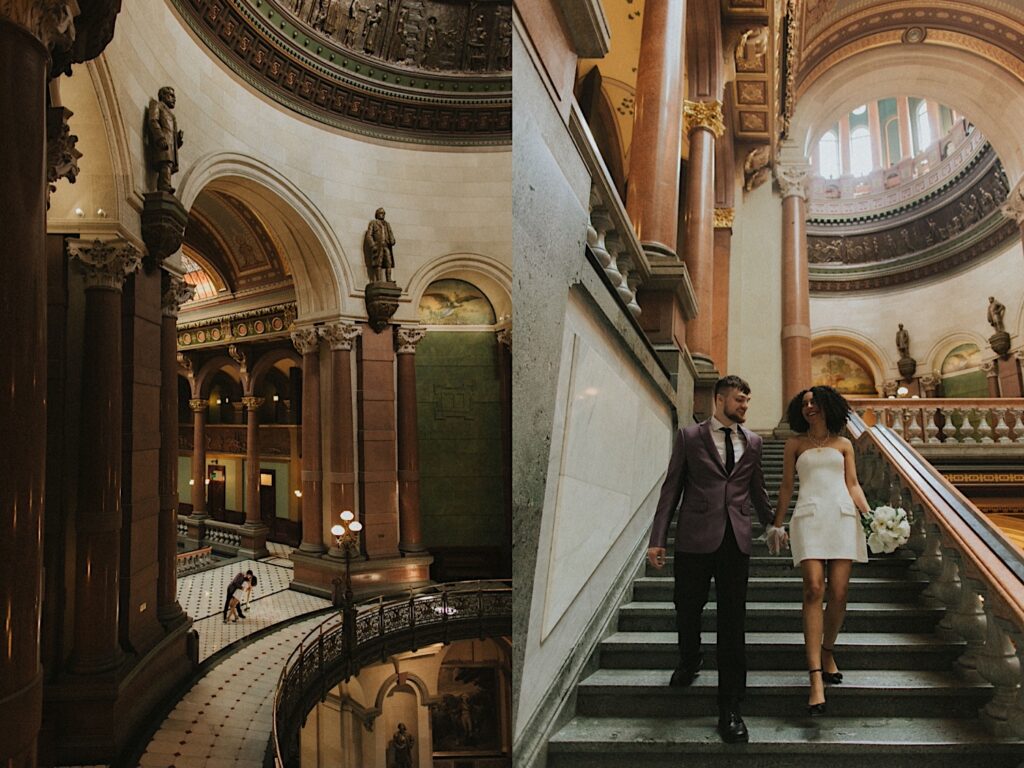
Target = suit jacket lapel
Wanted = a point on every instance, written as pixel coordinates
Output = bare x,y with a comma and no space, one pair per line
709,443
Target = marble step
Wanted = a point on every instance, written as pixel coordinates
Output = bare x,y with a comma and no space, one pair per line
785,650
789,589
782,742
863,693
762,564
786,617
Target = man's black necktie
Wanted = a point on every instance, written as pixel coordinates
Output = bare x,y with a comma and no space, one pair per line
730,452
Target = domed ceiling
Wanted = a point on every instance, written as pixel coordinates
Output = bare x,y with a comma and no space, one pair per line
425,71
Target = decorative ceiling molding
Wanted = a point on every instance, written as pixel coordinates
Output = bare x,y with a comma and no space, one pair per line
301,69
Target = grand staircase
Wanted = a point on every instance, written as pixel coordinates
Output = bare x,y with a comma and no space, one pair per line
901,703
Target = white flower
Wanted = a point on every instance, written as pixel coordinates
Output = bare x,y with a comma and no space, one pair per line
886,528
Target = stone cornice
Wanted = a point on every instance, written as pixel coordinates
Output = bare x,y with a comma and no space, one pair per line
105,263
347,91
703,114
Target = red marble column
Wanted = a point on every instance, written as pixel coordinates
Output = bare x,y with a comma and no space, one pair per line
796,297
176,293
653,198
23,377
307,342
95,646
341,464
720,305
198,406
410,525
252,460
704,124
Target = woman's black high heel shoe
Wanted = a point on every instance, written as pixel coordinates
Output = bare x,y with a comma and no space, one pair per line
816,709
831,678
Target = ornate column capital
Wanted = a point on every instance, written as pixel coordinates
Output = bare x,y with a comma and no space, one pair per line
197,404
306,340
792,180
505,338
724,218
1013,208
253,403
703,114
61,151
407,337
105,263
51,22
341,336
177,293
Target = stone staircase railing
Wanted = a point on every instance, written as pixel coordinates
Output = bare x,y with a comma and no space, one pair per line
196,560
973,570
947,421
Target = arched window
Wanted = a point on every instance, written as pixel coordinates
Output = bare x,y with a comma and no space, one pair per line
860,151
828,152
924,129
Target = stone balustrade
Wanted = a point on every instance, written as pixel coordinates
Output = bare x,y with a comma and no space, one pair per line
947,421
194,561
972,569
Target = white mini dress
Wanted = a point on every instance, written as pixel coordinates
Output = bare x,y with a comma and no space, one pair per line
825,523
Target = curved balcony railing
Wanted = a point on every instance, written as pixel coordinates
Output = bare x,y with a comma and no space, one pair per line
972,568
366,633
947,421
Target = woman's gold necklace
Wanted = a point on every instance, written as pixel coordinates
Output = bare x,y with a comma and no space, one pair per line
819,443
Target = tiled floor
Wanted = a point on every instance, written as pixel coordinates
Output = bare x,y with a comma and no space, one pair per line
225,719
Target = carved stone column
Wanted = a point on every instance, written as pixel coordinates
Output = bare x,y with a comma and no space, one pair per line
653,199
720,303
341,465
175,293
410,535
95,646
198,406
307,342
703,124
796,297
252,460
26,36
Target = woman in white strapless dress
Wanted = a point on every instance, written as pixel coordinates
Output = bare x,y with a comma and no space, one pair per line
825,531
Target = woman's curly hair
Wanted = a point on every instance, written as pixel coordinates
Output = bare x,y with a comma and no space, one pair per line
832,404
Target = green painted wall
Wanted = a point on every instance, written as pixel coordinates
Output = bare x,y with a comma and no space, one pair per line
973,384
459,412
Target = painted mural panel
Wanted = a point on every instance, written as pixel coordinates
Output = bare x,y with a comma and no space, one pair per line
846,375
455,302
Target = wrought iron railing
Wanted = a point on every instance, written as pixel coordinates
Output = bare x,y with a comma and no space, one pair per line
934,421
368,632
972,567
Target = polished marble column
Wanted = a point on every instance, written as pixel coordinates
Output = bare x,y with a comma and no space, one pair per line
341,464
104,266
175,293
307,342
653,198
198,406
703,124
796,298
720,305
410,539
252,460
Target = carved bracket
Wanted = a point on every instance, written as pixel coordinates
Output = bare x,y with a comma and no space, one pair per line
61,153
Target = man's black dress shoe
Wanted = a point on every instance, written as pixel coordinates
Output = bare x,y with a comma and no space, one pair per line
732,729
685,674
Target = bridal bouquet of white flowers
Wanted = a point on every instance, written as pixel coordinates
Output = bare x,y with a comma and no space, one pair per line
886,528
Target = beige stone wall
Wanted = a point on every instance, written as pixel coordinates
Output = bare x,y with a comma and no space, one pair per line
446,206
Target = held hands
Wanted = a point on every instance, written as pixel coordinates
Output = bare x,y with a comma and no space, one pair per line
777,539
656,557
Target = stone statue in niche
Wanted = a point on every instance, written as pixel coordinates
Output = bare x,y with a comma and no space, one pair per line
330,17
903,341
428,53
996,310
163,137
374,29
400,748
751,50
503,60
379,244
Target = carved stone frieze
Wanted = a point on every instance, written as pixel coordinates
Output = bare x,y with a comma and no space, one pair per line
176,293
306,340
407,337
266,323
340,336
792,180
61,153
703,114
105,263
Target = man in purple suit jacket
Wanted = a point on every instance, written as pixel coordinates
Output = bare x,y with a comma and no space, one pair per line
716,470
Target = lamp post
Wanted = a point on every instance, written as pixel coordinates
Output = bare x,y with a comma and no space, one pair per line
346,534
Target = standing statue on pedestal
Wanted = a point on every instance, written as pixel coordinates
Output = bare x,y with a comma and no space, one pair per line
163,137
401,748
380,241
995,314
906,364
